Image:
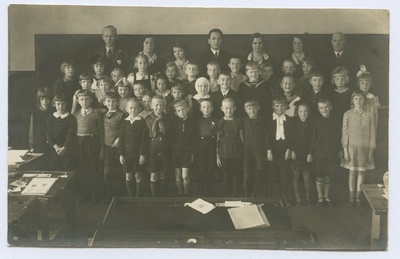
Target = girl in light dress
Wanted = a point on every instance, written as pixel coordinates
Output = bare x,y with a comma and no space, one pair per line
359,143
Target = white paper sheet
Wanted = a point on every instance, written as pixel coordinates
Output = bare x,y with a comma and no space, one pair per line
201,206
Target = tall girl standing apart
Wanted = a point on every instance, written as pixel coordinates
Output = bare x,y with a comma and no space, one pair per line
359,143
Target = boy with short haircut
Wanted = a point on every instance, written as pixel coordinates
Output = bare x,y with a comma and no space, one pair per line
325,149
254,148
192,70
268,74
105,85
257,89
183,133
158,129
235,65
213,70
133,146
60,135
85,80
279,148
318,91
90,132
146,103
124,92
205,148
112,121
117,74
224,81
289,67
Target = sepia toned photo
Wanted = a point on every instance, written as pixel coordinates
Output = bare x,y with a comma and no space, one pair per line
210,128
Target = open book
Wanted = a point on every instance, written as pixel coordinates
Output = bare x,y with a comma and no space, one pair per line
39,186
251,216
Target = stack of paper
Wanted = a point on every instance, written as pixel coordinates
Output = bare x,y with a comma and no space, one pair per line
39,186
251,216
15,156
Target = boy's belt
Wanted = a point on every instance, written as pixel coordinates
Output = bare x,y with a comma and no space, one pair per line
87,135
207,137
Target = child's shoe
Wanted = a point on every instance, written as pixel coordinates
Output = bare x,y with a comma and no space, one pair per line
321,202
359,202
299,202
352,202
329,202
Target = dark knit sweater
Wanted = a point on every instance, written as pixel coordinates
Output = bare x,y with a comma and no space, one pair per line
91,124
112,126
61,131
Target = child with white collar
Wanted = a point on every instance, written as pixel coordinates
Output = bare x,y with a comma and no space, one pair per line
133,145
60,135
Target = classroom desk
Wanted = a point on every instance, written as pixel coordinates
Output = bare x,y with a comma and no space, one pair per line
379,206
29,163
57,191
166,222
23,215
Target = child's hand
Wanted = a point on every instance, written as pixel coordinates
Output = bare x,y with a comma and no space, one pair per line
370,155
122,159
56,148
61,151
346,155
309,158
270,157
115,144
219,164
293,155
288,154
142,160
32,150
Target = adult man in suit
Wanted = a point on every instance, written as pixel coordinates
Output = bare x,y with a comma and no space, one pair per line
112,51
339,56
215,53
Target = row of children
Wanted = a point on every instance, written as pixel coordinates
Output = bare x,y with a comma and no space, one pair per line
197,130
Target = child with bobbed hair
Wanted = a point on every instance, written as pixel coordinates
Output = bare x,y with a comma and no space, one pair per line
67,85
37,124
61,135
179,49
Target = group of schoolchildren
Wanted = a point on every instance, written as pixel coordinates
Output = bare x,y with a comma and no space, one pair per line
253,131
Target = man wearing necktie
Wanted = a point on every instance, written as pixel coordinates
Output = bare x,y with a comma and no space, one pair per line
215,53
112,52
339,55
279,146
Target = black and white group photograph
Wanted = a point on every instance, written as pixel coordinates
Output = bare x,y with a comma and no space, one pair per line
198,129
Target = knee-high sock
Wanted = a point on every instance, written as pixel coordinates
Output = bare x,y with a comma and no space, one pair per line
130,187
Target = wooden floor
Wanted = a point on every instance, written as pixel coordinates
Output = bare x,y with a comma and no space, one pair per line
337,228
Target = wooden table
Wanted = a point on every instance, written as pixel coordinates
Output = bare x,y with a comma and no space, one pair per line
56,191
166,222
29,163
379,206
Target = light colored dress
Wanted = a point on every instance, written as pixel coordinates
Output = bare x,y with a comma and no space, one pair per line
372,104
359,137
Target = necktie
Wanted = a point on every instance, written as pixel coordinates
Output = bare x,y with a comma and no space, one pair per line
84,113
109,53
110,114
158,127
338,55
216,55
